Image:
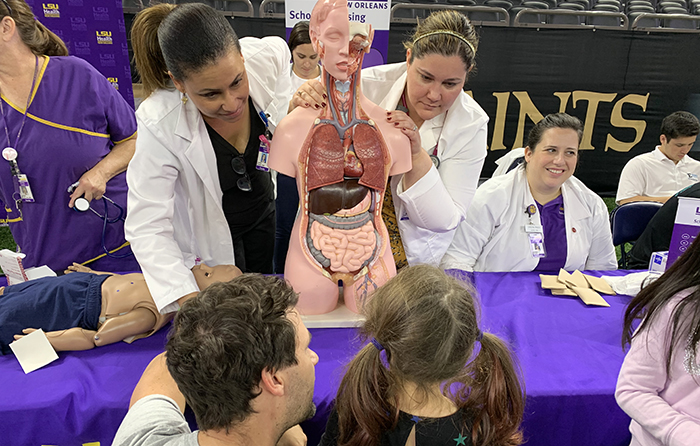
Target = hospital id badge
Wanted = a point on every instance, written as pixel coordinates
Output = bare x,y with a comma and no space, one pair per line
533,228
263,154
25,190
537,244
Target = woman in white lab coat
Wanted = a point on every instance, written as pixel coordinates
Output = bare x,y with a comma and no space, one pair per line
537,217
432,199
177,205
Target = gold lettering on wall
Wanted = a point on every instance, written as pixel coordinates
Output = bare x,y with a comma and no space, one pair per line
527,108
593,100
563,100
499,125
617,120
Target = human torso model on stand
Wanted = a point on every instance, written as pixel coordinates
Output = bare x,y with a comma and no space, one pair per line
341,157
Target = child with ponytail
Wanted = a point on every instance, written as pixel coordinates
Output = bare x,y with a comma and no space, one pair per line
418,380
659,383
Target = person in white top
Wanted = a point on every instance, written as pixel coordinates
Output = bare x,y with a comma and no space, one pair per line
304,59
179,180
659,382
537,216
432,198
658,175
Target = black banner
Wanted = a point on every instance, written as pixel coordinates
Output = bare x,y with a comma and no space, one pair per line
621,84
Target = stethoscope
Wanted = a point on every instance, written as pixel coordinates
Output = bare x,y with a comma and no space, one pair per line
81,204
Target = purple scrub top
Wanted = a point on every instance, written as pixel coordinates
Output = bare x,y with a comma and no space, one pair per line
75,117
554,228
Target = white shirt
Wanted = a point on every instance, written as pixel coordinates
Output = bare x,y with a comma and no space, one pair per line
429,211
297,81
654,175
493,237
175,215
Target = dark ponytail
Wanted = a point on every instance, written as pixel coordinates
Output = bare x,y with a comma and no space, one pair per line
491,395
33,33
362,395
181,40
147,54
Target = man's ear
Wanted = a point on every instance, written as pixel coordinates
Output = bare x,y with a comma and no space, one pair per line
273,382
662,139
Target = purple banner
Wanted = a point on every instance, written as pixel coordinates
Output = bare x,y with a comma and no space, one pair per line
681,239
93,30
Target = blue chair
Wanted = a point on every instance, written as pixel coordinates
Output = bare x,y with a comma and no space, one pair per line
628,222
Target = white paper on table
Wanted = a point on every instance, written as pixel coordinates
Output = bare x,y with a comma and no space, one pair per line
33,351
11,264
632,283
38,272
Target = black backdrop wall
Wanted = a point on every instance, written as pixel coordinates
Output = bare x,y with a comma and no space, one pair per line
619,83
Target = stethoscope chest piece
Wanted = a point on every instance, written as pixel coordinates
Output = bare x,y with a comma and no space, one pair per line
81,204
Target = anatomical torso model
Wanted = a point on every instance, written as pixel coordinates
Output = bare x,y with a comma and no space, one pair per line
341,157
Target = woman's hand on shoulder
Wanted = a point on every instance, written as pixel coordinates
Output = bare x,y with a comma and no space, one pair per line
403,122
311,94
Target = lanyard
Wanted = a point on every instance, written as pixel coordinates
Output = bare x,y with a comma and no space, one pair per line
12,154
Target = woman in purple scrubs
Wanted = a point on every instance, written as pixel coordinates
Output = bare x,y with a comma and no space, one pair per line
61,124
538,217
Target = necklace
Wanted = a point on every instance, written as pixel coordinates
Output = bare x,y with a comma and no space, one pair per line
9,152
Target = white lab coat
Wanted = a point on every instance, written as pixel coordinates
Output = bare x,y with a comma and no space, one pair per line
175,210
493,237
429,211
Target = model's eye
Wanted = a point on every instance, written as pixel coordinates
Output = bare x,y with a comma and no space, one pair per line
207,274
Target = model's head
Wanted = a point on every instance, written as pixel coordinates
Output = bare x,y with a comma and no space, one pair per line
679,131
551,154
237,340
17,17
339,44
440,55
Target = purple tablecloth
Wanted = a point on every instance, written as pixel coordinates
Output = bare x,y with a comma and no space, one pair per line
570,355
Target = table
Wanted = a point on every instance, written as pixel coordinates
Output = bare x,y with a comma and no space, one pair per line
570,355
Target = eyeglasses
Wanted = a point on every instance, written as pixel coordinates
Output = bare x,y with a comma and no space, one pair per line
9,10
238,166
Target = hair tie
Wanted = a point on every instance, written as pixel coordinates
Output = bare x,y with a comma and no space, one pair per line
376,343
449,33
480,336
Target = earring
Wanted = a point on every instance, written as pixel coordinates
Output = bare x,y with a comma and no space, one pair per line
184,98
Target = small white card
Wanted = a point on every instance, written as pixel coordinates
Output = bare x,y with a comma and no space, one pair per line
33,351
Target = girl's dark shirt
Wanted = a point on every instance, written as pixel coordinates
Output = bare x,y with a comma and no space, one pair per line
243,209
452,430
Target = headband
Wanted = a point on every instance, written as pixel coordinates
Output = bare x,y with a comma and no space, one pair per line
449,33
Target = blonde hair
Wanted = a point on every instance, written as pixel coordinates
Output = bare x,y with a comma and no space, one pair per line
448,33
147,53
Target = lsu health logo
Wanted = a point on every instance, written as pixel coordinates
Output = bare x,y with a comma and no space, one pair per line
100,13
78,24
51,10
107,60
104,37
81,48
114,81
